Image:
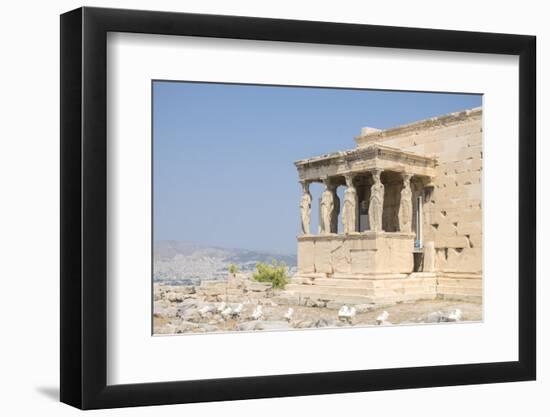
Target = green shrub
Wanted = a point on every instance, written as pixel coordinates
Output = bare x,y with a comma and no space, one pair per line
276,273
233,269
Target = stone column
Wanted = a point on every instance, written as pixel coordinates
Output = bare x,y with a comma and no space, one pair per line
349,211
405,205
326,208
305,207
376,203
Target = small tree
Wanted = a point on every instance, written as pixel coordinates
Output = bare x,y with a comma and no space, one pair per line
276,273
233,269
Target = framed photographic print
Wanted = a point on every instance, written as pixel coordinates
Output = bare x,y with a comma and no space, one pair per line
258,208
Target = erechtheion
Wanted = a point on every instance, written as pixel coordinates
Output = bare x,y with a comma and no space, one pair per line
409,226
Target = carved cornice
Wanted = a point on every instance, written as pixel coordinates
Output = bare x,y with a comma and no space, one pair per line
367,235
372,151
369,158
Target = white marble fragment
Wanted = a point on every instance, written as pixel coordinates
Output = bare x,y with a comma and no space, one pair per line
227,312
346,313
289,314
382,318
237,310
205,310
257,314
455,315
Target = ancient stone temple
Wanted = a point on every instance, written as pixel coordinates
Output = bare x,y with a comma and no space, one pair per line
409,226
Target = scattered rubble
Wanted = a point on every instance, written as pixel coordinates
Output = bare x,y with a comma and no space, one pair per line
289,314
382,319
257,314
240,304
443,317
455,315
347,314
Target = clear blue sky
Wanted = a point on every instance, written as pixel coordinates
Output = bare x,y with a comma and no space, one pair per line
223,154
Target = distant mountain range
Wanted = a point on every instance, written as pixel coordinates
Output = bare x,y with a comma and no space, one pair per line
189,263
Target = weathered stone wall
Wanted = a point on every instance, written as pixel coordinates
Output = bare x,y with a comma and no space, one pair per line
390,219
354,254
237,287
453,213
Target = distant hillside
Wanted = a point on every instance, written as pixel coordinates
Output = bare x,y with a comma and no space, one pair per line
190,263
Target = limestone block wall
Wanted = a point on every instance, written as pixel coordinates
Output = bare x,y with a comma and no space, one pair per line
453,213
356,254
237,288
390,219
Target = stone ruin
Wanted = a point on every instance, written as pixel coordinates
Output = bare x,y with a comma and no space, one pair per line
408,228
411,216
237,288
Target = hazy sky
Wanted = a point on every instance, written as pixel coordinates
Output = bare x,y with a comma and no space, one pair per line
223,154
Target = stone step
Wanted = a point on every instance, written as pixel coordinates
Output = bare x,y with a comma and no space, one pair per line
406,295
459,275
334,282
371,276
365,276
407,298
461,297
444,289
318,289
422,275
311,275
371,292
367,284
452,282
337,300
344,299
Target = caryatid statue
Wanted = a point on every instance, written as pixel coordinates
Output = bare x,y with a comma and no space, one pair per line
405,205
305,207
376,203
349,212
327,207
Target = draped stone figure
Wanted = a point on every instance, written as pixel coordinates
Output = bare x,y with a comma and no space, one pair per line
349,211
405,205
305,208
376,203
327,207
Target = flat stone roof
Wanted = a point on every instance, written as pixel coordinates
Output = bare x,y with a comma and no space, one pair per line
372,157
370,154
369,136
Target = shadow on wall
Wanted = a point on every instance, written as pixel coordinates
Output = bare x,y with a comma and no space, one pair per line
50,392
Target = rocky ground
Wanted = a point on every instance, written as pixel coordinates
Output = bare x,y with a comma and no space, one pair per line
243,305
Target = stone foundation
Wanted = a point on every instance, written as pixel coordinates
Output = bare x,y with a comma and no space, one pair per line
380,289
383,288
460,286
355,253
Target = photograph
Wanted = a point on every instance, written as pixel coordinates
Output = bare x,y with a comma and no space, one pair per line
275,208
282,208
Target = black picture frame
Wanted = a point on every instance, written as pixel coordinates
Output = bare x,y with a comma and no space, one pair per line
84,207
